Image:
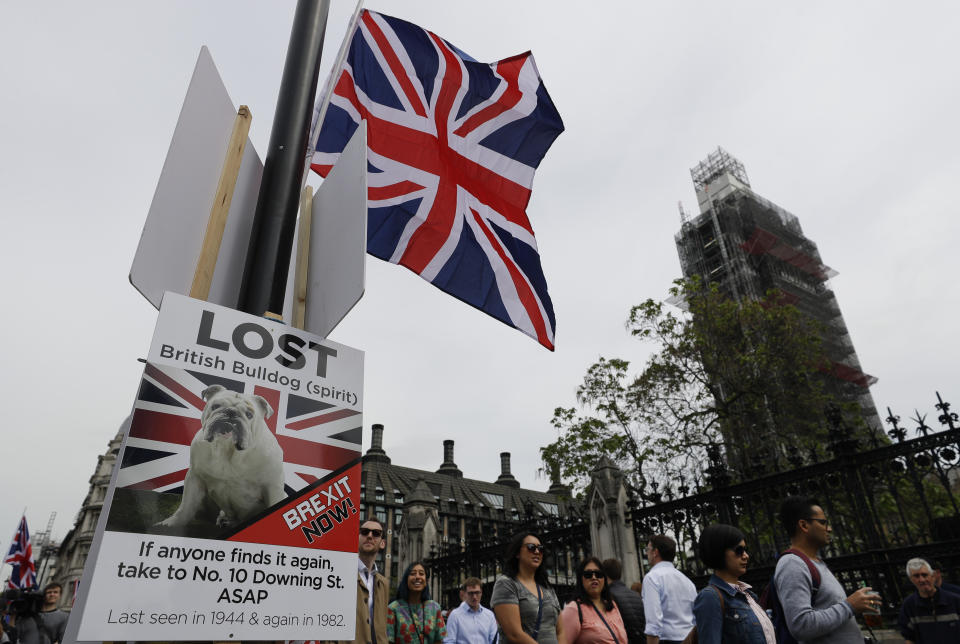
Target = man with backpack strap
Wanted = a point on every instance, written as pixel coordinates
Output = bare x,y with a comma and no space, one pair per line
815,607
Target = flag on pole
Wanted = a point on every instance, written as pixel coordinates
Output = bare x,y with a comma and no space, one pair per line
24,574
452,148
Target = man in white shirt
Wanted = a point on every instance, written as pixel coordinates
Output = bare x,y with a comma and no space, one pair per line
668,595
471,623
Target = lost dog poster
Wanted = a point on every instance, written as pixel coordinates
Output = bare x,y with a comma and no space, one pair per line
234,510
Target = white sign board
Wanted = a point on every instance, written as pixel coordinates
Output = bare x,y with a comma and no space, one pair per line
177,221
336,265
338,239
234,509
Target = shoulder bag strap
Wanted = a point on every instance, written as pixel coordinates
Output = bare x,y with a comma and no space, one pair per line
694,636
600,615
536,629
720,597
413,620
811,567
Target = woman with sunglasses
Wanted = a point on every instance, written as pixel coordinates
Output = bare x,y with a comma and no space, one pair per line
593,617
727,609
414,618
526,608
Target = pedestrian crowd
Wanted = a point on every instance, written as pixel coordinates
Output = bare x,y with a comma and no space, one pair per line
804,602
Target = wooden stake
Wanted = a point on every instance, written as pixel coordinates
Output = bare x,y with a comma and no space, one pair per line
303,258
207,262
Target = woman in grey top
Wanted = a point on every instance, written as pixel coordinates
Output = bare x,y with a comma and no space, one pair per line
526,607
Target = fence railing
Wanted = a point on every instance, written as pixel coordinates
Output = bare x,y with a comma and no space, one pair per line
565,541
886,504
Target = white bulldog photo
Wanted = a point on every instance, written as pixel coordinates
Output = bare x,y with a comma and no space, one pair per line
236,464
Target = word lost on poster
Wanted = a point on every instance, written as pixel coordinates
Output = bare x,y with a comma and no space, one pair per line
235,510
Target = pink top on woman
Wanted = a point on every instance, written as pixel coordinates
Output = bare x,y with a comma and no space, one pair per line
592,630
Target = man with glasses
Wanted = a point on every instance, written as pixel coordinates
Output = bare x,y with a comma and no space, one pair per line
471,623
667,595
816,607
372,591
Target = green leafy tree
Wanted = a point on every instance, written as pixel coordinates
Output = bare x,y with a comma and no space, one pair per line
741,379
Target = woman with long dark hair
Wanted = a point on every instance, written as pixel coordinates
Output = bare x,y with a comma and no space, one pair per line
414,618
593,616
727,610
526,607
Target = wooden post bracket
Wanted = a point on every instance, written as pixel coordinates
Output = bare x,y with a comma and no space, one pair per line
207,261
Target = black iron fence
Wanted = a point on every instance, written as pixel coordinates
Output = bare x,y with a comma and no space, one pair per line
566,540
887,502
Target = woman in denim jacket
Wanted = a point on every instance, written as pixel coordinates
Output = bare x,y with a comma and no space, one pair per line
727,610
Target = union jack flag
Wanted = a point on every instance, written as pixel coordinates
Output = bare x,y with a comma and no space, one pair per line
316,437
24,573
452,149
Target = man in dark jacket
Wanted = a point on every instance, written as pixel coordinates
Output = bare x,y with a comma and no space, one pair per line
930,615
629,602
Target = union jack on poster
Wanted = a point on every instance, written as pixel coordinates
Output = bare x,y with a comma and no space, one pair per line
452,148
24,573
316,437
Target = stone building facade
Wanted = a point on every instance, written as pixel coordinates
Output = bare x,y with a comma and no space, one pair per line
429,514
74,548
611,533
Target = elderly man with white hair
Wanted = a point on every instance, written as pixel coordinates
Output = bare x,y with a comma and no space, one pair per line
930,615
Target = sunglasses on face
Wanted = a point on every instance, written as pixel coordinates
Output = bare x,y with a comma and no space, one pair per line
533,547
822,522
592,574
374,531
739,550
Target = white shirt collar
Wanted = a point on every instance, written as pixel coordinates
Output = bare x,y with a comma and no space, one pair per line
362,568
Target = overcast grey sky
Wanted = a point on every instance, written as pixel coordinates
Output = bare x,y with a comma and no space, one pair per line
843,113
